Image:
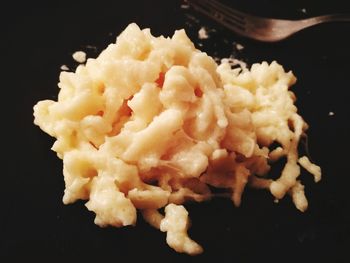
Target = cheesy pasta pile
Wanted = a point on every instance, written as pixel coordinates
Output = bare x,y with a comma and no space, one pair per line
153,123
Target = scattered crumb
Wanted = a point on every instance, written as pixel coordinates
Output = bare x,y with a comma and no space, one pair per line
79,56
239,46
185,6
91,47
110,34
331,113
276,201
303,10
200,44
64,67
203,33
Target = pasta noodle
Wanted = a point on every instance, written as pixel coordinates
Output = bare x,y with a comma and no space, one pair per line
152,122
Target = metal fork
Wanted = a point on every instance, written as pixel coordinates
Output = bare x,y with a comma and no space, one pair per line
259,28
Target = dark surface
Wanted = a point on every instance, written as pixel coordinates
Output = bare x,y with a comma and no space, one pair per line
35,224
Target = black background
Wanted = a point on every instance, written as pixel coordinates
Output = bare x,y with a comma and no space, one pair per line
38,38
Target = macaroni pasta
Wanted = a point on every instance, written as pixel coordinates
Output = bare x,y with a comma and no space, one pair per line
153,122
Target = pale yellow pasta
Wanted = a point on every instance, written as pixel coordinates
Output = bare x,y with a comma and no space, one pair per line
152,122
175,224
312,168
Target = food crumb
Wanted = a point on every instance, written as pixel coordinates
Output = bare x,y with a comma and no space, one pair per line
202,33
185,6
91,47
239,46
79,56
331,113
64,67
303,10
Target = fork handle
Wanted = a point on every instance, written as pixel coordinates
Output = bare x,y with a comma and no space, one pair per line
326,18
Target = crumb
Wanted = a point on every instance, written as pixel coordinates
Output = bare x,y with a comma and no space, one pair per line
64,67
303,10
79,56
185,6
91,47
202,33
331,113
200,44
239,46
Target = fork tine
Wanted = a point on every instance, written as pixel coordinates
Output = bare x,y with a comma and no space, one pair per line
225,11
220,14
229,12
225,8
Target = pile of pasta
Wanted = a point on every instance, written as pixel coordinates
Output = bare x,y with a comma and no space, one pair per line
153,123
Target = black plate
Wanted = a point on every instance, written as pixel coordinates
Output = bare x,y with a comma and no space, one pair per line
34,222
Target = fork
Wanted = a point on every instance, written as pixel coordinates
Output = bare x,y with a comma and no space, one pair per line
259,28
